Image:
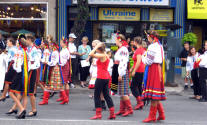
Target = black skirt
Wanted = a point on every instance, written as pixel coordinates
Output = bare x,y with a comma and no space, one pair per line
115,75
32,81
10,75
17,85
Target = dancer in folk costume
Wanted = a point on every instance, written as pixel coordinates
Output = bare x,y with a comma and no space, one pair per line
101,84
154,79
65,67
33,66
138,72
44,63
120,74
55,77
19,87
10,75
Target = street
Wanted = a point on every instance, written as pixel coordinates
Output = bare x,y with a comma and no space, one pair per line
179,111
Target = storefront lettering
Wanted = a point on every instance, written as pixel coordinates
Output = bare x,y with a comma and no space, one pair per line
122,13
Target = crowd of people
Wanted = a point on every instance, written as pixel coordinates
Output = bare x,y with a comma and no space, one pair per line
29,63
194,69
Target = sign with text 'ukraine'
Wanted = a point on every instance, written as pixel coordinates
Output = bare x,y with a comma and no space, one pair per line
197,9
119,14
129,2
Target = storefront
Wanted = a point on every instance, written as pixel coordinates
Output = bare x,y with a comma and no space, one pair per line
197,18
27,17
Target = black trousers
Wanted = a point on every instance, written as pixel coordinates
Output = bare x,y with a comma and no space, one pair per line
136,85
101,85
84,73
74,63
196,84
202,80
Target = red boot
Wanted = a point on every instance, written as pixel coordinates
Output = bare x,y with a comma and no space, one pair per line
152,115
112,115
140,104
122,108
60,98
161,112
129,109
98,114
46,96
67,93
65,98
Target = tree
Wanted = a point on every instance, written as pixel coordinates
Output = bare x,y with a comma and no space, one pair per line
81,20
190,37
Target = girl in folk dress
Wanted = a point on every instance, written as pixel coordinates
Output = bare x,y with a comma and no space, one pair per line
55,80
120,74
65,67
154,81
11,45
138,72
102,81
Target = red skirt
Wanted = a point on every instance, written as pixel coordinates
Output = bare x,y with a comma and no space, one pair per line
154,89
66,72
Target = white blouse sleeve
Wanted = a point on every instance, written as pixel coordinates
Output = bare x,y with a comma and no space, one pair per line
149,56
123,62
63,57
54,59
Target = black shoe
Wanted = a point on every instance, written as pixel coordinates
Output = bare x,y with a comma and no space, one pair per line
3,99
202,100
11,112
52,94
22,115
32,114
191,87
103,105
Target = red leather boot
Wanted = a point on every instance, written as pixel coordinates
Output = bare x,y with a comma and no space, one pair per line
122,108
65,98
129,110
45,98
160,111
60,97
112,115
140,104
67,93
152,115
98,114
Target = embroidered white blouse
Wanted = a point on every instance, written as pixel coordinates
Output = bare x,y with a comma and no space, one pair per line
33,58
45,56
11,53
18,60
64,56
190,62
122,56
154,54
54,58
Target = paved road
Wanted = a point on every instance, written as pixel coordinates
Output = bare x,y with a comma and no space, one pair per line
179,111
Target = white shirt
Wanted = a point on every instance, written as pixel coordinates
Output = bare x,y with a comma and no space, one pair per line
122,56
33,58
72,48
64,56
3,67
18,60
45,56
54,58
11,53
93,68
203,62
190,62
111,63
154,54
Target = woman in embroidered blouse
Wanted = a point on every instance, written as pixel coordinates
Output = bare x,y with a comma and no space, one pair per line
84,51
154,82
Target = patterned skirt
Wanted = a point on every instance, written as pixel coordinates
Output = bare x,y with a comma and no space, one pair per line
66,72
154,87
123,86
55,82
115,75
44,74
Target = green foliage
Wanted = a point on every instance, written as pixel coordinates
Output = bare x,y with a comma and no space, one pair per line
190,37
